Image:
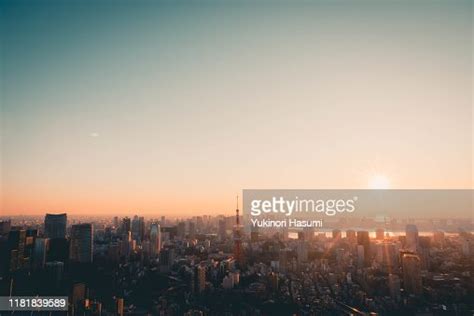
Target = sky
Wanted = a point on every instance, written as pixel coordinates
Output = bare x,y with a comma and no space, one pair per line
174,107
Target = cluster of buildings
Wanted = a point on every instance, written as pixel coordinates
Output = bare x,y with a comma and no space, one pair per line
212,265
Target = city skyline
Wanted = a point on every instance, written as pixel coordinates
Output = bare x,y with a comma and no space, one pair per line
175,108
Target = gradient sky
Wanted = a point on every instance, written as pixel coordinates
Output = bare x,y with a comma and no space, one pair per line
175,107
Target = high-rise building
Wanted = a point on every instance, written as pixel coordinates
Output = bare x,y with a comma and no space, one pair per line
363,239
181,230
412,274
82,240
16,248
412,240
116,222
222,233
5,227
199,279
55,271
166,259
138,228
192,229
336,234
39,252
126,225
55,225
155,239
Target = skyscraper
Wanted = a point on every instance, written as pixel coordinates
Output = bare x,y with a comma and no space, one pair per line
412,274
126,225
181,230
138,228
200,279
412,242
39,252
55,272
82,240
363,239
222,233
55,225
192,229
16,248
155,239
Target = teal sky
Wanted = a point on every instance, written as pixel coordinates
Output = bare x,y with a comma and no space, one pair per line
175,107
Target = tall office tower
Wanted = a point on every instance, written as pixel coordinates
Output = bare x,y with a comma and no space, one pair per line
39,252
336,235
116,222
199,279
200,224
55,225
55,270
222,230
394,286
181,230
141,227
163,221
237,236
16,248
138,228
135,228
351,236
412,274
126,244
155,239
31,235
363,239
5,227
192,230
82,241
379,234
166,259
126,225
412,240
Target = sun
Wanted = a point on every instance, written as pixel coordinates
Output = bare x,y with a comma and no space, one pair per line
379,182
